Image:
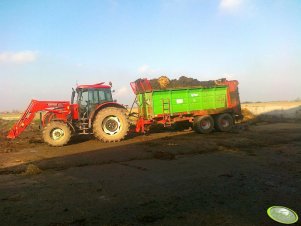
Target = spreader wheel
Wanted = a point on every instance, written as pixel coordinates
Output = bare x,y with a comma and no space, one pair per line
224,122
203,124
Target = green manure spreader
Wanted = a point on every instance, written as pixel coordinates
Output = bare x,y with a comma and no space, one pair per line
214,106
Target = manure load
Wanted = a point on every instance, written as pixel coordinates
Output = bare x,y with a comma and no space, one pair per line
164,82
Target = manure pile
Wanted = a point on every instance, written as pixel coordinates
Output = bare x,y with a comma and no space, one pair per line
164,82
248,115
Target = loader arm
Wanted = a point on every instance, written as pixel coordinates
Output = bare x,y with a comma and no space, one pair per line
34,107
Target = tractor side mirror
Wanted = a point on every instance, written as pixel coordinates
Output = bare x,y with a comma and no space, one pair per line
72,96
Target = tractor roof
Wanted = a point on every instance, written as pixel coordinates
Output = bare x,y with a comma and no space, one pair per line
94,86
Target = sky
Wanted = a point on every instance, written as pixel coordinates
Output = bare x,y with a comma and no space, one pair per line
49,46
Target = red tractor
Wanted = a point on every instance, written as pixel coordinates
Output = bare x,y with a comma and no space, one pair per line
91,111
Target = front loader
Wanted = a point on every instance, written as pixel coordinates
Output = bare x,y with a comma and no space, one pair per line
91,111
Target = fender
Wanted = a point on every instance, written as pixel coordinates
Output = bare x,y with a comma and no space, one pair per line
47,118
102,106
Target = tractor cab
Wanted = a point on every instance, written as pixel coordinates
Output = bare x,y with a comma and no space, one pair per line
88,97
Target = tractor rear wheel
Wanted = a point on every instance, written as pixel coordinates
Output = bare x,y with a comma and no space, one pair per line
56,133
111,124
203,124
224,122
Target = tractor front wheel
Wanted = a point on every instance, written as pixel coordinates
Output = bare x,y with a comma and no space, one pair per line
56,133
111,124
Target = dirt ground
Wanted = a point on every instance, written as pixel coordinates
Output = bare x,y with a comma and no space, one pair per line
167,178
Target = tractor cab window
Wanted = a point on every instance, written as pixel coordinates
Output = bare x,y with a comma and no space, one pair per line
84,99
108,95
100,96
94,96
88,99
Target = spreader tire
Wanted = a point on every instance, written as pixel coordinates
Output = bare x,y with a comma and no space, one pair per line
56,133
224,122
203,124
111,124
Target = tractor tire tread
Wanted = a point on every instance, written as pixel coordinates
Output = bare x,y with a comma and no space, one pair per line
101,115
56,124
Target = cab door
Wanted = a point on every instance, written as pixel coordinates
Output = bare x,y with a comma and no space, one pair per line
84,103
